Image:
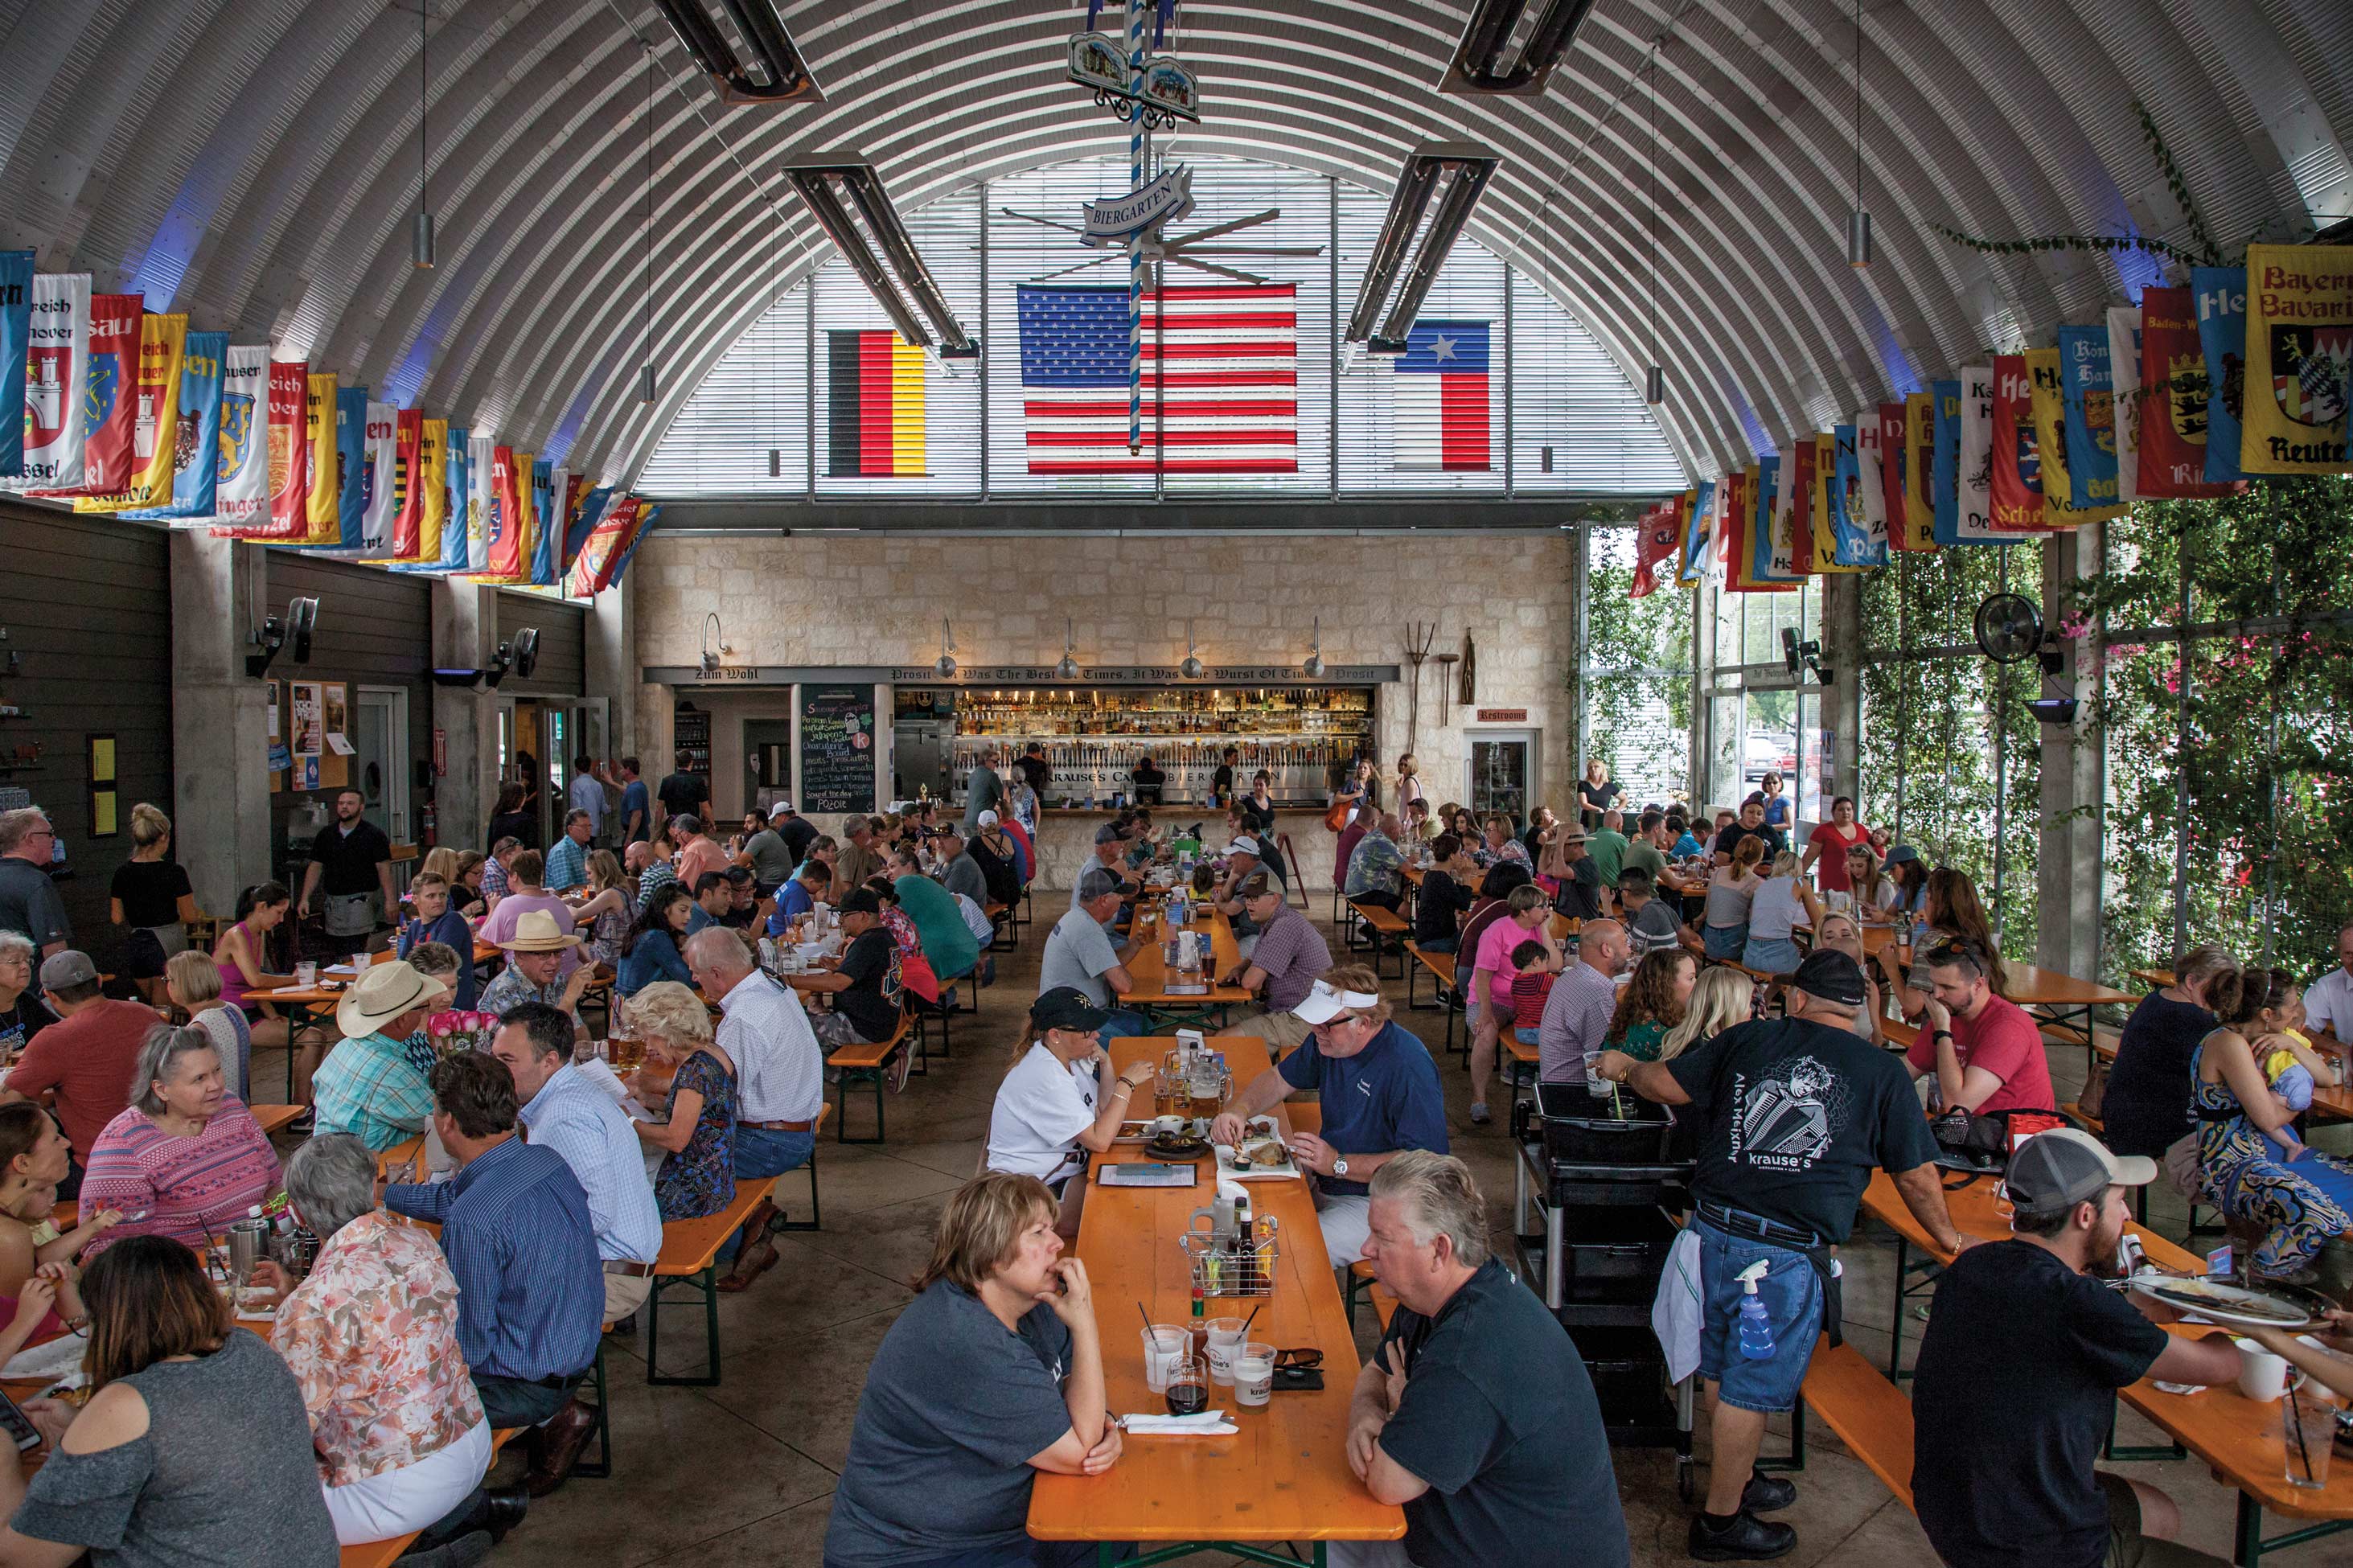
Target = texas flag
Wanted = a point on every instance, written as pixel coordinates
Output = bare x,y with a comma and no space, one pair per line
1439,416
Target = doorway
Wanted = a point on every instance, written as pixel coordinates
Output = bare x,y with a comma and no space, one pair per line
1502,773
767,762
380,757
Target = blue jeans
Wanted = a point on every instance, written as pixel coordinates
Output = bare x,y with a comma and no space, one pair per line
765,1152
1123,1022
1439,944
1793,1303
1725,943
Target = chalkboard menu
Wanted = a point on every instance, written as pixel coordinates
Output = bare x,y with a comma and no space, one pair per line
836,749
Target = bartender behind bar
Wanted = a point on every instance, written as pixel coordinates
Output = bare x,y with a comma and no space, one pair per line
1148,779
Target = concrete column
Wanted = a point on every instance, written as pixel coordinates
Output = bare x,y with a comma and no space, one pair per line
220,737
611,650
1574,734
1842,700
465,637
2067,865
1703,664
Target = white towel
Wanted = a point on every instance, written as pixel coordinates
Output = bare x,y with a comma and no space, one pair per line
1207,1424
1675,1312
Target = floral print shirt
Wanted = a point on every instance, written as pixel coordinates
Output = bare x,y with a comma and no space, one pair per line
372,1337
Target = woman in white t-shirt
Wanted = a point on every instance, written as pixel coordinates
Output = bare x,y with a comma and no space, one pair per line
1057,1104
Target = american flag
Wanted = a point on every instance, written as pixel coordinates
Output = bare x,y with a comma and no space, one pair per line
1227,355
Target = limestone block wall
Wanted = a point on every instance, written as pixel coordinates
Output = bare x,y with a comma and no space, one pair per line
872,599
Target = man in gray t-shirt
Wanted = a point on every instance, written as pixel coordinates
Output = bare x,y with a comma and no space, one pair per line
1080,954
771,860
959,872
984,791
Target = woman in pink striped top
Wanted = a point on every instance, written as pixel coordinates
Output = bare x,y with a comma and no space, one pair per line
186,1156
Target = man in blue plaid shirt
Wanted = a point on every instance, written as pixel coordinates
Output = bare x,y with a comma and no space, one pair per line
368,1087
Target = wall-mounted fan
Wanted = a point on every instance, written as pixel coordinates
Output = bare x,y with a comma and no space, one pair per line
2008,629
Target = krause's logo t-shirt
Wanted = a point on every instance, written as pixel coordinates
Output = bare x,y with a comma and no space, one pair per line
1794,1117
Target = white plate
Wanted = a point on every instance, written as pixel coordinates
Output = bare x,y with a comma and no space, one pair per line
2222,1304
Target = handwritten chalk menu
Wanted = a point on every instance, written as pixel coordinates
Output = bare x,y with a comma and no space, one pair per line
837,757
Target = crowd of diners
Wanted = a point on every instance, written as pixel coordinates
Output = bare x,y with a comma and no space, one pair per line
1714,970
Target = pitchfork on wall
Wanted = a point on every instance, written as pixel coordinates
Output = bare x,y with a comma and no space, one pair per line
1418,638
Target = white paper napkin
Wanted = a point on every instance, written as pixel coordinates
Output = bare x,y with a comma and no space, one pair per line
54,1359
1207,1424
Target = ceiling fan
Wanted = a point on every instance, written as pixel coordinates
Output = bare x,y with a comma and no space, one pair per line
1184,249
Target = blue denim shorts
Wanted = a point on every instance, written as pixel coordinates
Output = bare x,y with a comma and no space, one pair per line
1773,954
1793,1301
1724,943
1526,1036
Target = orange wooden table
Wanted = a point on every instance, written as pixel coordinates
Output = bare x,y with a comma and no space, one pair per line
1148,968
1284,1476
273,1117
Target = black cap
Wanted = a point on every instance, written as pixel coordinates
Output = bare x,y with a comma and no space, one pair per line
861,901
1833,977
1067,1007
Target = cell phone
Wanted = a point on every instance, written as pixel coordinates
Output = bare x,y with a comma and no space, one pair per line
18,1425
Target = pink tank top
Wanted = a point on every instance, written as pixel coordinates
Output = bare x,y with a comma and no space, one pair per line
232,978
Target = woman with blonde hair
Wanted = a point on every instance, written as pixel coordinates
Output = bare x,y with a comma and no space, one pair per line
992,1373
1843,932
1653,1003
150,895
605,914
1409,782
1731,896
698,1169
1721,997
193,982
1596,794
1781,903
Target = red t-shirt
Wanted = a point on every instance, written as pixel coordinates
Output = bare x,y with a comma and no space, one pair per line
2003,1040
1829,871
88,1059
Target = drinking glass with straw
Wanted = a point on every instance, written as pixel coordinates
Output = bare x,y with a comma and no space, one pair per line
2308,1434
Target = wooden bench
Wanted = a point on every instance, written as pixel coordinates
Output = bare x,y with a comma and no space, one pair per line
1901,1033
1525,1061
275,1118
1441,969
872,1063
2084,1119
1387,925
1003,927
1871,1416
384,1553
690,1260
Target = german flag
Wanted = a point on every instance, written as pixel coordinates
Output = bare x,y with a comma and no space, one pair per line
875,409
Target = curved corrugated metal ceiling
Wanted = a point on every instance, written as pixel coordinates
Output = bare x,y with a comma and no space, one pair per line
255,163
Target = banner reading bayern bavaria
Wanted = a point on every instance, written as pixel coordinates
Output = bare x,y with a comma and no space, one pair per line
195,442
56,364
153,398
2299,353
2220,294
16,346
242,463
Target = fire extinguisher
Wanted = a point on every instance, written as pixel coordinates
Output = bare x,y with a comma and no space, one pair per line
425,824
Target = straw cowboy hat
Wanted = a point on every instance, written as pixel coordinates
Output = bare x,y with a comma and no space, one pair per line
382,995
536,932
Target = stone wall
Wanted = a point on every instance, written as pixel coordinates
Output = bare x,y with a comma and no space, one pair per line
870,599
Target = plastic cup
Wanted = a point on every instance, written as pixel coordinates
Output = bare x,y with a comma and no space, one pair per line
1225,1344
360,961
2307,1426
1254,1374
1164,1346
306,973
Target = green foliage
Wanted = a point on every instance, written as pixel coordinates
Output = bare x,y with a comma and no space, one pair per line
1637,652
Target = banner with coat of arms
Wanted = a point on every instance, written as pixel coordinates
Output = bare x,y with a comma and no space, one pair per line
196,437
57,358
241,485
2299,354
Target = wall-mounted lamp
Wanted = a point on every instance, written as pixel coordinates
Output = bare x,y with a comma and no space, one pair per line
945,666
1314,665
710,654
1069,668
1191,669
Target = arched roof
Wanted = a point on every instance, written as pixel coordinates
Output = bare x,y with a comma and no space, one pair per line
256,163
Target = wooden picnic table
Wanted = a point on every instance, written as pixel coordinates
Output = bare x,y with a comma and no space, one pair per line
1972,1207
273,1118
1284,1476
1148,968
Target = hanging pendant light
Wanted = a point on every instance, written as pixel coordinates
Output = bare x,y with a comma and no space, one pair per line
1069,668
420,240
1191,669
1654,379
1858,222
647,386
945,666
1314,665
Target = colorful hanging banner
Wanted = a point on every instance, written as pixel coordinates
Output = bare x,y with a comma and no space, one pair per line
408,484
1822,521
153,400
56,366
1841,503
2299,355
341,537
1660,532
1919,472
584,518
2221,293
600,557
324,521
110,406
1691,554
547,532
380,455
196,443
290,449
1763,564
1869,498
433,513
241,462
457,528
481,501
1792,557
2177,398
503,531
2087,407
2125,399
16,353
1973,521
2016,454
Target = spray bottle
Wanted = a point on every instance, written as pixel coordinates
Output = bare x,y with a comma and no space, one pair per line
1755,1327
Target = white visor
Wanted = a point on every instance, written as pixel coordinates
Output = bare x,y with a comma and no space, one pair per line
1324,1003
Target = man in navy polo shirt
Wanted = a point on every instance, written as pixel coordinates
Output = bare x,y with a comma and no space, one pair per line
1380,1097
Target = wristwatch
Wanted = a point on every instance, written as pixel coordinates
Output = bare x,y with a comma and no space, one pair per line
1340,1167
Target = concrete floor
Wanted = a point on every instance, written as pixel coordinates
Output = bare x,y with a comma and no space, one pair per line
742,1473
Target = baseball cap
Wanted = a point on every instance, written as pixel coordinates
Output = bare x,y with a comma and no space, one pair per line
2052,1172
1833,977
1066,1007
1244,844
782,809
1094,882
1324,1003
60,970
1900,854
860,901
989,819
1108,833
